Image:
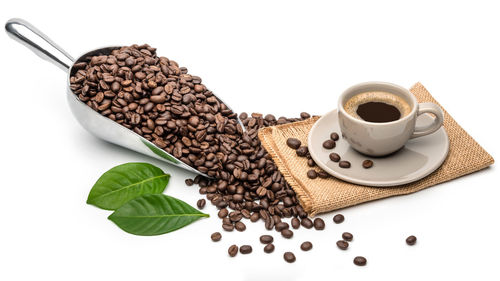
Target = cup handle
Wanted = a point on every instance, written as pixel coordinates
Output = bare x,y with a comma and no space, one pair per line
434,109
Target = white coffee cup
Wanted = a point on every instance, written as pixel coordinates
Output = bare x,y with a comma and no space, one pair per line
379,139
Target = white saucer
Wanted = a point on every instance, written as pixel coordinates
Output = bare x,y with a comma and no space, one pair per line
420,156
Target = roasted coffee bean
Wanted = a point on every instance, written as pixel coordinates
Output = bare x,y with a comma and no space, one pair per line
240,226
411,240
269,248
228,227
302,151
342,244
329,144
201,203
367,164
334,157
287,233
216,236
293,143
281,226
338,218
266,239
311,163
312,174
245,249
306,246
254,217
359,261
295,223
322,174
223,213
347,236
319,224
305,115
344,164
233,250
334,136
289,257
307,223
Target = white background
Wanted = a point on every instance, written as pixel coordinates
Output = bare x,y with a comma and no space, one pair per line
279,57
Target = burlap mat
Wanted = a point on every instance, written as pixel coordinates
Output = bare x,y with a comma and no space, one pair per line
322,195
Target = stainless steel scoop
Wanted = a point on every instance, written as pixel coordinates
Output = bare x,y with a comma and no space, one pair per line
98,125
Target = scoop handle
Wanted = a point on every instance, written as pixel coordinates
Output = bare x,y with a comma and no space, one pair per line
28,35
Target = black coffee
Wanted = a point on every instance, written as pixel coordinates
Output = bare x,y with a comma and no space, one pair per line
378,112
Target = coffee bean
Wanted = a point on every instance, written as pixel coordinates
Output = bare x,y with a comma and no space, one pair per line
228,227
347,236
367,164
342,244
359,261
240,226
311,163
329,144
307,223
293,143
201,203
281,226
245,249
287,233
295,223
289,257
312,174
319,224
334,157
411,240
254,217
223,213
334,136
305,115
338,218
302,151
344,164
322,174
233,250
266,239
306,246
216,236
269,248
189,182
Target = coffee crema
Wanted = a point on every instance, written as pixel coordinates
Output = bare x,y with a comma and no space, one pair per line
377,107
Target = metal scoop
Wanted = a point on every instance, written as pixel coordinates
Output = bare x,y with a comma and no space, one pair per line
98,125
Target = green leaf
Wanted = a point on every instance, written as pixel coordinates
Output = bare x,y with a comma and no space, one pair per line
125,182
154,214
160,152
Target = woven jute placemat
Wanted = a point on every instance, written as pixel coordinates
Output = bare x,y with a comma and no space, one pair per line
322,195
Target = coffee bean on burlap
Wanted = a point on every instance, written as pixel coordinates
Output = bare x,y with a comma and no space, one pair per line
293,143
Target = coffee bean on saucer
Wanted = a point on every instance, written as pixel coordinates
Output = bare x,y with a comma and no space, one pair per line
322,174
334,157
411,240
240,226
233,250
245,249
347,236
367,164
334,136
338,218
307,223
216,236
302,151
189,182
344,164
342,244
269,248
293,143
329,144
287,233
289,257
201,203
306,246
266,239
295,223
312,174
319,224
305,115
359,261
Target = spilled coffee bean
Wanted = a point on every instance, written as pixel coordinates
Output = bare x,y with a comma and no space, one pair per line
341,244
281,226
289,257
329,144
266,239
233,250
201,203
293,143
305,115
338,218
295,223
240,226
306,246
367,164
302,151
344,164
334,136
216,236
269,248
411,240
322,174
347,236
359,261
245,249
334,157
287,233
319,224
312,174
307,223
